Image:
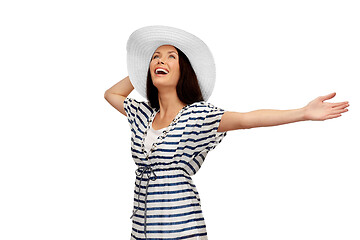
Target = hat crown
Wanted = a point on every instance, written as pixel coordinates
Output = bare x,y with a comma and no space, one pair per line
143,42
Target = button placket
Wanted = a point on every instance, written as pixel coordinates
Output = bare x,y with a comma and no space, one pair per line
163,134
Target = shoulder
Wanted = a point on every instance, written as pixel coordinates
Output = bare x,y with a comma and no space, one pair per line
212,107
132,105
205,107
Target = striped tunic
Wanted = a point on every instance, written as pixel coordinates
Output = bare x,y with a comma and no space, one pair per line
166,202
151,136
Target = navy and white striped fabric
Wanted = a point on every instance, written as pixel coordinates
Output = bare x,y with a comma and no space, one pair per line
173,206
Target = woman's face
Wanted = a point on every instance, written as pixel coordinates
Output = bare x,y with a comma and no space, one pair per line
166,57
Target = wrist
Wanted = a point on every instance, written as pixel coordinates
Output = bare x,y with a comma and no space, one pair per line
303,116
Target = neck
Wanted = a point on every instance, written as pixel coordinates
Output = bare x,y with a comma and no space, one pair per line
170,104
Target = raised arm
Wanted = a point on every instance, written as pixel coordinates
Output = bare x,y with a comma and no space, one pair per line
316,110
117,94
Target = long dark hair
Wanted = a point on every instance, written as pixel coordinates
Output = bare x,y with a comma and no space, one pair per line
187,88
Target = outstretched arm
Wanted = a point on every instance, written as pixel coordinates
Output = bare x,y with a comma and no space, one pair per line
316,110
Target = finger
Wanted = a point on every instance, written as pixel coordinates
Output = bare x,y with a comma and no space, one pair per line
339,104
340,107
339,111
333,116
329,96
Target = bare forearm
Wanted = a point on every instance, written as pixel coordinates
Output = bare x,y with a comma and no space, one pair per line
123,88
316,110
271,117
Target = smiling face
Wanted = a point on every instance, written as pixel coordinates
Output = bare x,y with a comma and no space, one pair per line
165,57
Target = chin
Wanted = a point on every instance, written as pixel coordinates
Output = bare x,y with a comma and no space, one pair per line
163,82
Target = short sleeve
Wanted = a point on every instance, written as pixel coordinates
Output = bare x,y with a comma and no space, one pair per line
208,131
136,109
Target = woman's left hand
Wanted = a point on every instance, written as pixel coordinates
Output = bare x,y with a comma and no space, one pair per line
318,110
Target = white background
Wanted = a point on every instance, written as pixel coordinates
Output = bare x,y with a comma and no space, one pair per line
66,170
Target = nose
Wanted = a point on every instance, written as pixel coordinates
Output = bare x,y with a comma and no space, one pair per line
160,60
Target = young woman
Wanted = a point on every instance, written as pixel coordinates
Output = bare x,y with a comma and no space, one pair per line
173,131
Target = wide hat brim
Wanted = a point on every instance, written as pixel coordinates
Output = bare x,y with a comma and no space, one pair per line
143,42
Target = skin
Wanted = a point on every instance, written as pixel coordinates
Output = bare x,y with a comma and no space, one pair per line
316,110
170,104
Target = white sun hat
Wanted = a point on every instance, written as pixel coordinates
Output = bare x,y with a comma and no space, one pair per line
143,42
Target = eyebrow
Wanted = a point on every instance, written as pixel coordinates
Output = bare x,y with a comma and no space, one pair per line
168,52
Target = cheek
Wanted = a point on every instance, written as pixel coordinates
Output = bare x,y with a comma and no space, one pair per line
176,68
178,71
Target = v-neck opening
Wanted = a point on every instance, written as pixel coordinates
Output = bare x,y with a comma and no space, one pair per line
153,127
164,133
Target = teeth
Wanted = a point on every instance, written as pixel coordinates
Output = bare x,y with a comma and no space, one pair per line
161,70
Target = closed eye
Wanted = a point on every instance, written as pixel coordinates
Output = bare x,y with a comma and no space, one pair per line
169,56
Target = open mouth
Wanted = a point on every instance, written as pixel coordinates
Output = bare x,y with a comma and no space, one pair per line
160,71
